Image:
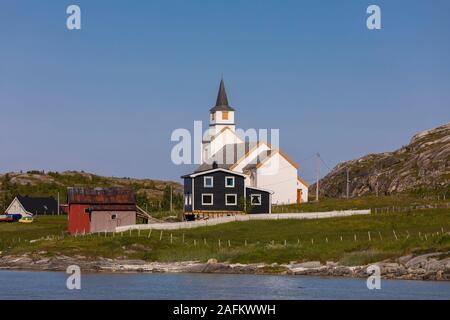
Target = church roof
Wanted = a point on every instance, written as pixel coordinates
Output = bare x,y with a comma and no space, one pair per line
222,100
258,160
229,155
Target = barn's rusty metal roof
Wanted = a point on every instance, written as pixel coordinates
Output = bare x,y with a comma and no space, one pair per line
99,196
112,207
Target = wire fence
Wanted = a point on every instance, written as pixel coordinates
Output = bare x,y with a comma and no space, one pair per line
393,209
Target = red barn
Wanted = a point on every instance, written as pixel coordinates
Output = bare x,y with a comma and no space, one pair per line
100,209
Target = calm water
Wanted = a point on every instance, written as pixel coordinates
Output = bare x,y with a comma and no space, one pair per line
52,285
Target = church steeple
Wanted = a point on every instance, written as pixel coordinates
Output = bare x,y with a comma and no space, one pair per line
222,99
222,115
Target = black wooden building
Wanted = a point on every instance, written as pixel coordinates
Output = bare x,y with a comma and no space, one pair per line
221,191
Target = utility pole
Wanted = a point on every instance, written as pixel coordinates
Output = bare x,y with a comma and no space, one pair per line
317,176
348,183
171,206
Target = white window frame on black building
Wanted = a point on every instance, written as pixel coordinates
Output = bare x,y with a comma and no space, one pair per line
187,199
208,203
226,180
235,200
258,196
208,185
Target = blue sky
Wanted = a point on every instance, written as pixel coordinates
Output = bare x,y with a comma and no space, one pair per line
105,99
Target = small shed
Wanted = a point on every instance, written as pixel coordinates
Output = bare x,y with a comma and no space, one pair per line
259,201
31,206
100,209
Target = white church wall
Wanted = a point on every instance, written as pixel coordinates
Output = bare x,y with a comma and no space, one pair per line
222,139
282,181
304,189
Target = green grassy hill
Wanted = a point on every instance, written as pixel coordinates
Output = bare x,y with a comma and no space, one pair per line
151,194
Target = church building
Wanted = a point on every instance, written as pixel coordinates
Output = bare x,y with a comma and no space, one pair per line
263,166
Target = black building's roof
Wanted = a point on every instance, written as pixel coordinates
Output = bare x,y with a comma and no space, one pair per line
222,100
39,205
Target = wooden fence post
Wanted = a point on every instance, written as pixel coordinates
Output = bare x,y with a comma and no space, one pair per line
395,235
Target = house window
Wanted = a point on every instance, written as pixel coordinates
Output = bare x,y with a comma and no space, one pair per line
208,182
255,199
207,199
231,199
213,116
187,199
229,182
224,115
114,216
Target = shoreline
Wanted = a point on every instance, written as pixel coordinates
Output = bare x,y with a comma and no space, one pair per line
427,267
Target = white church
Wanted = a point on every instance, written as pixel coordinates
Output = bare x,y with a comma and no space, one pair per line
264,167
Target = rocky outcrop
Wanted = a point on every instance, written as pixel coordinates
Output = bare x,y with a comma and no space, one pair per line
422,165
435,266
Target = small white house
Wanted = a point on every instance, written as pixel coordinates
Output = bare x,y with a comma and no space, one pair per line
28,206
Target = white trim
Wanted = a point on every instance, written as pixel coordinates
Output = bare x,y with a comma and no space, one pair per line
212,182
270,203
256,195
260,189
215,170
212,199
234,181
235,199
192,191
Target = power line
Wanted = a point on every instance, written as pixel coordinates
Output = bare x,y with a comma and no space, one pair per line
323,161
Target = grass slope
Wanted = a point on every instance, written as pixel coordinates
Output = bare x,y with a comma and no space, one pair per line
249,242
366,202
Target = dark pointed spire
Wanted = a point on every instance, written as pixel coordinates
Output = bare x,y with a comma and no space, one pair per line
222,99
